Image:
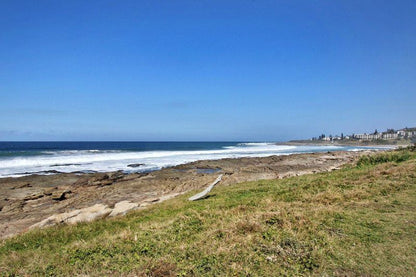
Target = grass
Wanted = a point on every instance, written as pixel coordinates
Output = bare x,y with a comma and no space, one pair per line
396,157
360,220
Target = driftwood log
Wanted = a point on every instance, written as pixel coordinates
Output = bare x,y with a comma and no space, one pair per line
204,193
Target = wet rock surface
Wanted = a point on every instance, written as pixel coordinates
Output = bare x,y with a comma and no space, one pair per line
135,165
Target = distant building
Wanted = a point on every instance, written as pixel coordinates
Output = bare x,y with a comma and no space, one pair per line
390,135
401,133
406,133
368,136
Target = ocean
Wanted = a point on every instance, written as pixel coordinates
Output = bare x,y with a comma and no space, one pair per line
25,158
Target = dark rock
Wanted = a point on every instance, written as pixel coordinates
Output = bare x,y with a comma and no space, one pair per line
97,180
152,200
100,179
33,197
60,195
116,175
83,171
135,165
83,181
22,186
106,183
44,172
54,165
25,186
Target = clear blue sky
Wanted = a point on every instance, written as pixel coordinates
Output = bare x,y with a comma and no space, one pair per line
205,70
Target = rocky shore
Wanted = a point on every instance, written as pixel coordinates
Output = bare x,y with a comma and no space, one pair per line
42,200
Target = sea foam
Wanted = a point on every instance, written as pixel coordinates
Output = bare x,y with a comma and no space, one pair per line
113,160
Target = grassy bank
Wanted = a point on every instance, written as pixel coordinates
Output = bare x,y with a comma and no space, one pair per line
360,220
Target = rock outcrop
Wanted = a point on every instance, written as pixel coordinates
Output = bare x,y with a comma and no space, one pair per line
135,165
82,215
100,179
121,208
98,211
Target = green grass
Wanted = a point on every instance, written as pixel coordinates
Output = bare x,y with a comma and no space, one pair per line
360,220
396,157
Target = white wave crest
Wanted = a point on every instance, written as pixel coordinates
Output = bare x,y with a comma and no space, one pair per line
112,160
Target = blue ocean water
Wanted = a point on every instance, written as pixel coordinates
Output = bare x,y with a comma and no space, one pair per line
23,158
33,148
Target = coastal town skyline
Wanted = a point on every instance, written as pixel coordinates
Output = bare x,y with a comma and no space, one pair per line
389,134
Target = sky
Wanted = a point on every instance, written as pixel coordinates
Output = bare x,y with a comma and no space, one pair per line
205,70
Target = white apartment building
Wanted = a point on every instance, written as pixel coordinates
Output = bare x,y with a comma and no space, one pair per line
390,135
368,136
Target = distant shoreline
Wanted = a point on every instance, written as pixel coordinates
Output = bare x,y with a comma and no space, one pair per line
384,143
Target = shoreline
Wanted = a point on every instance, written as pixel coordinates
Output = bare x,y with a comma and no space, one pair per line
386,144
30,199
139,161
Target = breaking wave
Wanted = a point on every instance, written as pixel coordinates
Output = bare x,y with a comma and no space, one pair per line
113,160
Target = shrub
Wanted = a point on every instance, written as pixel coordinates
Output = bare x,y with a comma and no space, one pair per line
397,157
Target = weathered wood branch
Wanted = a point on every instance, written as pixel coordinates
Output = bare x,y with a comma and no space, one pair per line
204,193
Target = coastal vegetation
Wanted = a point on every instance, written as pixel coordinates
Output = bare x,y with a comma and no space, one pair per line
359,220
